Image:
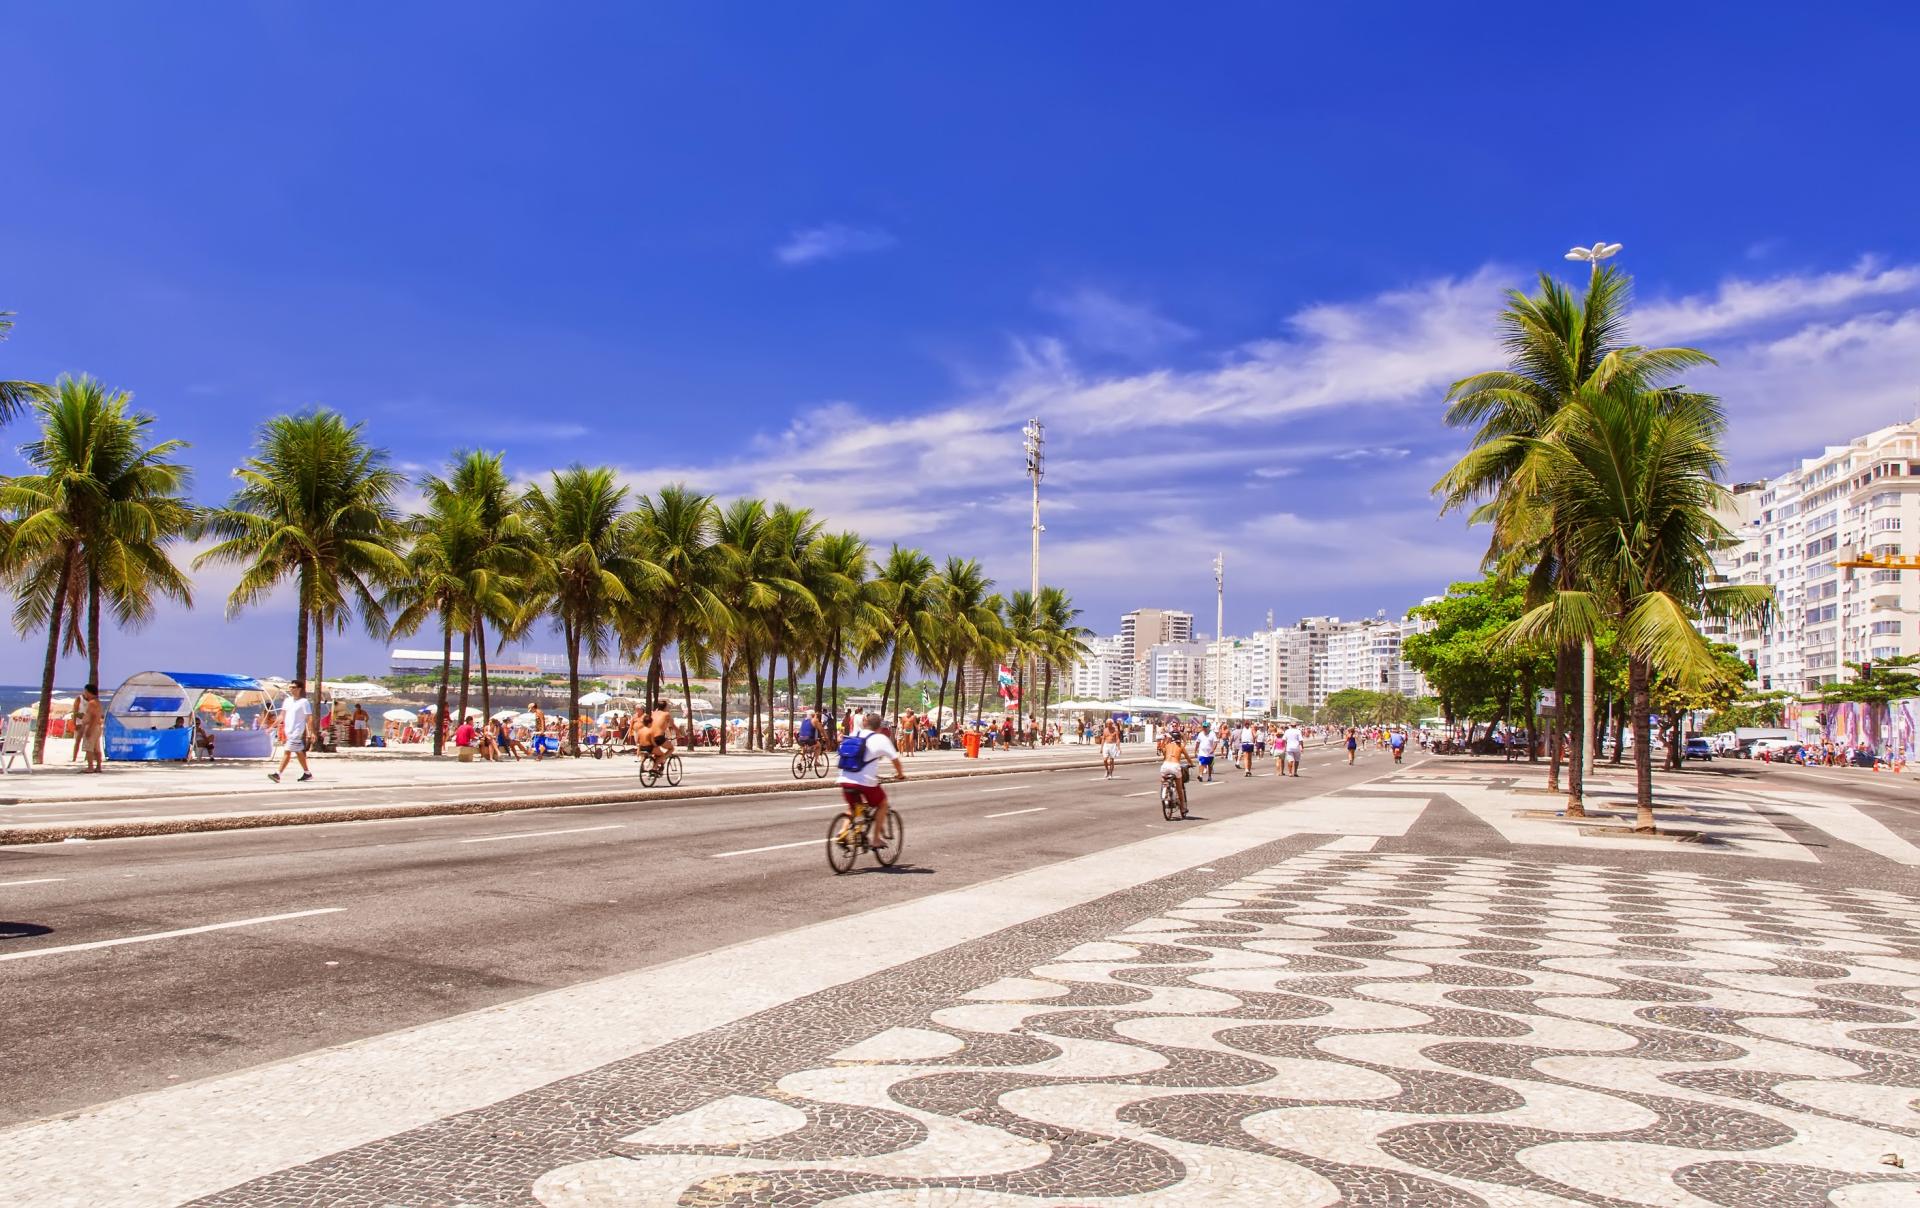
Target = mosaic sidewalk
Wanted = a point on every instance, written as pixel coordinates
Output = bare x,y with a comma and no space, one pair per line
1291,1027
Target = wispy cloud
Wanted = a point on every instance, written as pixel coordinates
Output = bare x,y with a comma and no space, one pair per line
829,241
1101,322
1380,453
1741,304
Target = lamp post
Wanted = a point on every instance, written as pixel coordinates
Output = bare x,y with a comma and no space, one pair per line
1601,250
1219,635
1035,444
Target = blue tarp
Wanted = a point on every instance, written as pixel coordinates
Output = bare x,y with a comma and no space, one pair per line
207,681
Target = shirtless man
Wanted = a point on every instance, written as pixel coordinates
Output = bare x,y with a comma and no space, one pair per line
654,739
1109,745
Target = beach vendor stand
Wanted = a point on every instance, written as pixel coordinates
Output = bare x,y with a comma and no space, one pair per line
150,717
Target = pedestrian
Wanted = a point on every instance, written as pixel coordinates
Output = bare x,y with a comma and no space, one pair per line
294,718
94,717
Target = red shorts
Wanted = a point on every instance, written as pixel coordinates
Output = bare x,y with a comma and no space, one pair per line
860,794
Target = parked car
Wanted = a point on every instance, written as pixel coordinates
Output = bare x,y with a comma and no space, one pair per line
1699,748
1773,747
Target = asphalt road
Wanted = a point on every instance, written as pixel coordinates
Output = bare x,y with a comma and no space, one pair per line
399,923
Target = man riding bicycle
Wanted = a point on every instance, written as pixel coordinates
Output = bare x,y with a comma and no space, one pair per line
860,754
808,735
653,734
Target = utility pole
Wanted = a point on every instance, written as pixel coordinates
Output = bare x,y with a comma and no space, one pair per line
1035,444
1219,635
1576,801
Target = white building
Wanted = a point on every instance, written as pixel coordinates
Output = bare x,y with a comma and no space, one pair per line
1143,629
1104,673
1176,670
1864,496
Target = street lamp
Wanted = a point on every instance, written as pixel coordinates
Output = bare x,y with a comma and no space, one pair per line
1601,250
1035,444
1219,634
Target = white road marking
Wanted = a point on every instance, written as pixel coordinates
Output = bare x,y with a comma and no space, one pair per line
1010,813
1008,789
1148,793
748,851
34,881
832,806
572,830
167,935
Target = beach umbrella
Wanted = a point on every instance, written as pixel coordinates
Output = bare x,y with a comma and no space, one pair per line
212,702
523,719
470,713
398,715
504,714
25,711
595,698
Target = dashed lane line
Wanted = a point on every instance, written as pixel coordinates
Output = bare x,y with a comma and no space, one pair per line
749,851
167,935
34,881
1010,813
572,830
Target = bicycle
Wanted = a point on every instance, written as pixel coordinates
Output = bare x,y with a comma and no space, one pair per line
847,838
653,769
1170,807
809,759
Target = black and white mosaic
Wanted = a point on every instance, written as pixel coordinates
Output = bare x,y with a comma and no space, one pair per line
1346,1028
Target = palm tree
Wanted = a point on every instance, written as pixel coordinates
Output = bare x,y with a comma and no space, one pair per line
17,397
905,591
847,612
1058,642
1630,477
793,534
585,567
967,611
1558,347
502,561
1022,628
94,522
315,506
676,533
449,572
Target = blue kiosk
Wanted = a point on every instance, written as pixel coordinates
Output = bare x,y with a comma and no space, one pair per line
150,717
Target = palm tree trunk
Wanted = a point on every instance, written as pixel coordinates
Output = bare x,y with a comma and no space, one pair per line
725,664
1561,676
653,674
791,688
819,684
319,682
1046,697
446,674
980,706
573,690
93,628
940,702
686,685
53,657
1619,729
466,661
753,694
300,646
834,719
1577,758
773,692
486,696
1638,674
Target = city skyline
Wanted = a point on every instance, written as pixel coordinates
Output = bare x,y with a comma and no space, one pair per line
840,304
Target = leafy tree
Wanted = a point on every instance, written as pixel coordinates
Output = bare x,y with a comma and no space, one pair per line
16,397
1476,675
1880,682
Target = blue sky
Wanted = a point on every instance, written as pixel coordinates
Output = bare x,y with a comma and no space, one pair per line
838,253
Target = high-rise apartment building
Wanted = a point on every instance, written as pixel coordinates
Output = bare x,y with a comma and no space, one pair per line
1864,496
1104,672
1176,671
1143,629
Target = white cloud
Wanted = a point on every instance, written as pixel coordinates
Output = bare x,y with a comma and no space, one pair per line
1103,323
829,241
1741,305
1381,453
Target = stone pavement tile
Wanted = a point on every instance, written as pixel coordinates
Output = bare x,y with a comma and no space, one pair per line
1291,1027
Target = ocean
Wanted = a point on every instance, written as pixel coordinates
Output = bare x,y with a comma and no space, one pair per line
12,696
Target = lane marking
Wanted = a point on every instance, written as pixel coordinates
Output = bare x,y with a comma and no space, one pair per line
1010,813
1008,789
167,935
1148,793
35,881
748,851
837,805
572,830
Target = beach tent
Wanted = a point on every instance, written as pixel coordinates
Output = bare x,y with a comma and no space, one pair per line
150,716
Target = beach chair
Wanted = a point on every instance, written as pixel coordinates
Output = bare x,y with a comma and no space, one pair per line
16,742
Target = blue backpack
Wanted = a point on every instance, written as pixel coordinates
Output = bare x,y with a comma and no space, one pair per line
853,752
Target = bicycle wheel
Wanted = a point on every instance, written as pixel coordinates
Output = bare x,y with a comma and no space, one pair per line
895,835
841,852
799,764
819,767
648,773
1169,802
673,771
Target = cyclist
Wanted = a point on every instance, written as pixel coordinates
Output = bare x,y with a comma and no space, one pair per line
1173,763
809,734
653,736
1399,744
1109,745
860,754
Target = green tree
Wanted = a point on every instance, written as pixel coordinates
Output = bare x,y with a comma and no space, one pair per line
585,567
906,591
1630,477
314,506
1057,639
676,531
499,566
1560,350
449,571
967,614
93,522
1476,676
16,396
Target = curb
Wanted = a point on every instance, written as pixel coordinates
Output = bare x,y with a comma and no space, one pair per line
132,828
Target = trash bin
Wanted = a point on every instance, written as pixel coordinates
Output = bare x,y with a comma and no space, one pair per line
972,743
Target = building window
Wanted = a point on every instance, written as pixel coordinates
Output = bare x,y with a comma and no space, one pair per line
1881,628
1884,576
